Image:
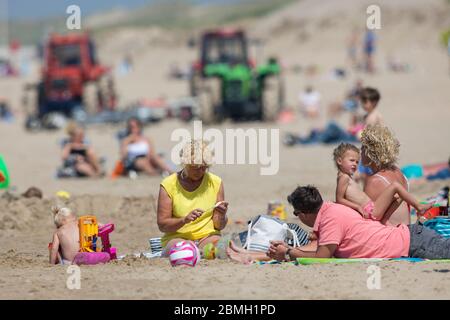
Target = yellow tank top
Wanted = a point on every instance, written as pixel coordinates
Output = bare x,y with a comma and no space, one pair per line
183,202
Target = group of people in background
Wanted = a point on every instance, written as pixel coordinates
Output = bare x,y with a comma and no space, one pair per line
137,154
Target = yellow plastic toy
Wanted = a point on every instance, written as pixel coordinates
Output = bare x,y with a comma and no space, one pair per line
88,234
279,212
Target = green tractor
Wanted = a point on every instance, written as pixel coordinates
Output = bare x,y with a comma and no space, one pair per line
227,83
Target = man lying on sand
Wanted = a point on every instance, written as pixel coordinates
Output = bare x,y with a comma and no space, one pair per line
343,233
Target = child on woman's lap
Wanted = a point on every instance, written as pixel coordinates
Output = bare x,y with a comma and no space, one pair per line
348,192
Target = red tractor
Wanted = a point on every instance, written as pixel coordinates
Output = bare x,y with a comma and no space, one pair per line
72,83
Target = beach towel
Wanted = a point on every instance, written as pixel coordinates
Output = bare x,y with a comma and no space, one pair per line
439,225
310,261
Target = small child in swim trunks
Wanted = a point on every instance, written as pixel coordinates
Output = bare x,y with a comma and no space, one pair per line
66,239
346,157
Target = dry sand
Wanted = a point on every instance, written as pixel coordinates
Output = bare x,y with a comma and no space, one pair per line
414,104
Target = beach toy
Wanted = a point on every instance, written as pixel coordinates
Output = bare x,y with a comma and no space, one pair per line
155,244
89,234
4,175
63,194
184,253
119,170
91,258
435,211
276,209
209,251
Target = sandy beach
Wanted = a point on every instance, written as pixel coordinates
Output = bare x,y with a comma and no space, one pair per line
415,104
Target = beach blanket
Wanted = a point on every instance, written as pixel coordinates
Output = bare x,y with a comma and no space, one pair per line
308,261
311,261
440,225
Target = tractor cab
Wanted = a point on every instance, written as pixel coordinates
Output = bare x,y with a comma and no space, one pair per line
72,79
227,84
224,47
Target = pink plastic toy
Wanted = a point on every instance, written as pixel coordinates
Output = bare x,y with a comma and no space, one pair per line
91,258
103,233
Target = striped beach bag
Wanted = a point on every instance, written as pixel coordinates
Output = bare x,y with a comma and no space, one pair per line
265,228
440,225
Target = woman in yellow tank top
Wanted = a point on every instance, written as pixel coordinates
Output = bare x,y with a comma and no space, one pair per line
187,199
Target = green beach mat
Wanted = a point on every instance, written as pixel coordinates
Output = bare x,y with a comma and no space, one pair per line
308,261
4,171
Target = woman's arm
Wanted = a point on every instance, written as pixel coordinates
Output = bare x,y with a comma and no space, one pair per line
123,147
373,187
220,218
166,222
66,151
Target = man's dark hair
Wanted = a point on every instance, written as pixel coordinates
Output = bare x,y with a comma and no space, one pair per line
306,199
370,94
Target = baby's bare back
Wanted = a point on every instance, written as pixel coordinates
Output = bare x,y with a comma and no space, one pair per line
69,240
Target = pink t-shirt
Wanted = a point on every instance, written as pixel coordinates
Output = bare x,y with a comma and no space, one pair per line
357,237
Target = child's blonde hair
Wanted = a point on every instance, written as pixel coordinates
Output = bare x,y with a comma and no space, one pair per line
341,149
61,214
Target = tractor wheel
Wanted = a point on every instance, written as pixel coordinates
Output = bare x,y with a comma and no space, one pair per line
90,98
30,101
272,98
209,100
194,82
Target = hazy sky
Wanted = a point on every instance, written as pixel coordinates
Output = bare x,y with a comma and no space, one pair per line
35,9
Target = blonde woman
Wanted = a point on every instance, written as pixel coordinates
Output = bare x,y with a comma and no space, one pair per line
191,202
379,151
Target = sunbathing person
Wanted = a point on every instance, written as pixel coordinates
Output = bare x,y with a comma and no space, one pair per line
423,173
344,233
191,202
138,153
333,133
379,153
78,157
346,158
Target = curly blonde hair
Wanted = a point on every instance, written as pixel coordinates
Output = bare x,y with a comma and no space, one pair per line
196,152
341,149
380,146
